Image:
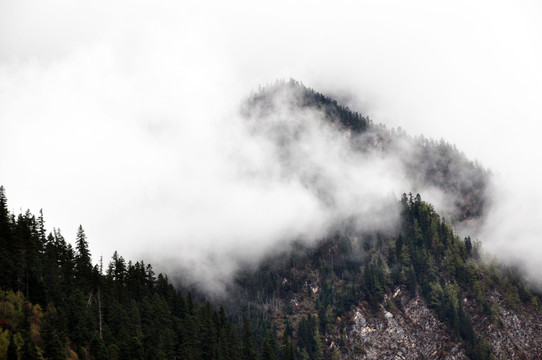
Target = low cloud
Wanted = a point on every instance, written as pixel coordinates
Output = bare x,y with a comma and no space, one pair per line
176,175
277,177
124,117
511,231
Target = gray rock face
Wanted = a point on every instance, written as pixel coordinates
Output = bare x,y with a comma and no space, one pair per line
412,331
515,334
409,332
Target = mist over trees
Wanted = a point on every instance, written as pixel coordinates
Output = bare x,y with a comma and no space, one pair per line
427,166
298,302
58,305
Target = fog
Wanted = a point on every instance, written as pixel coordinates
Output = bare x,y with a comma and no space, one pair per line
124,118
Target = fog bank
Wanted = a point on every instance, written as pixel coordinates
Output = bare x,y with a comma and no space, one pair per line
124,117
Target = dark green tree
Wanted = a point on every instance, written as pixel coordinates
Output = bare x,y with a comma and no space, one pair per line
248,347
83,265
51,333
269,346
287,349
12,349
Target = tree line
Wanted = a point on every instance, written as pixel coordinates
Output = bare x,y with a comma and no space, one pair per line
56,304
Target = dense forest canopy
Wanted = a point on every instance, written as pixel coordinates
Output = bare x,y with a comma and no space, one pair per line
57,304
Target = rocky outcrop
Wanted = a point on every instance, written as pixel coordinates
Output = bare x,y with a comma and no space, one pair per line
409,330
406,328
513,333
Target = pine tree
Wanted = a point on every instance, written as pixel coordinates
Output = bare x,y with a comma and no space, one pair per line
98,350
269,347
42,233
4,215
207,332
287,349
468,245
336,355
7,256
304,337
83,265
52,339
12,349
231,344
248,348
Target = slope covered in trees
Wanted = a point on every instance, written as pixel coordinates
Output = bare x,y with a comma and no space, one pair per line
417,290
55,304
314,295
305,289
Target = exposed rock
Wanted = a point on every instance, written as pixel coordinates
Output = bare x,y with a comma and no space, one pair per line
409,331
516,334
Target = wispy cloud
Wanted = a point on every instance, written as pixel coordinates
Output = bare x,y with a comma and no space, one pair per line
123,116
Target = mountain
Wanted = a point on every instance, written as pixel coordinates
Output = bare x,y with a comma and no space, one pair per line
427,163
418,293
413,291
410,288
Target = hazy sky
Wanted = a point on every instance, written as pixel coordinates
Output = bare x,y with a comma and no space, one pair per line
120,116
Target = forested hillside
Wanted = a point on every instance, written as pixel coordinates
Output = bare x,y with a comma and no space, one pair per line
414,290
341,298
55,304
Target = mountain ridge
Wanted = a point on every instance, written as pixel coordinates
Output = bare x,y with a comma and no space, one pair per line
429,163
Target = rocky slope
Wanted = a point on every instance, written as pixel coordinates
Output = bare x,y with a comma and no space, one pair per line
414,292
421,293
411,330
407,331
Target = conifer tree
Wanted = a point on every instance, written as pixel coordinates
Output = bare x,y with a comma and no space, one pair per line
83,265
7,275
269,347
287,349
248,348
12,349
41,229
4,215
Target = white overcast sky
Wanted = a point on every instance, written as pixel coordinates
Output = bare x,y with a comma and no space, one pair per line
108,109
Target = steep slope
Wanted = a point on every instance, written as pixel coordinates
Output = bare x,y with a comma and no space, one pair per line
56,305
416,291
419,293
